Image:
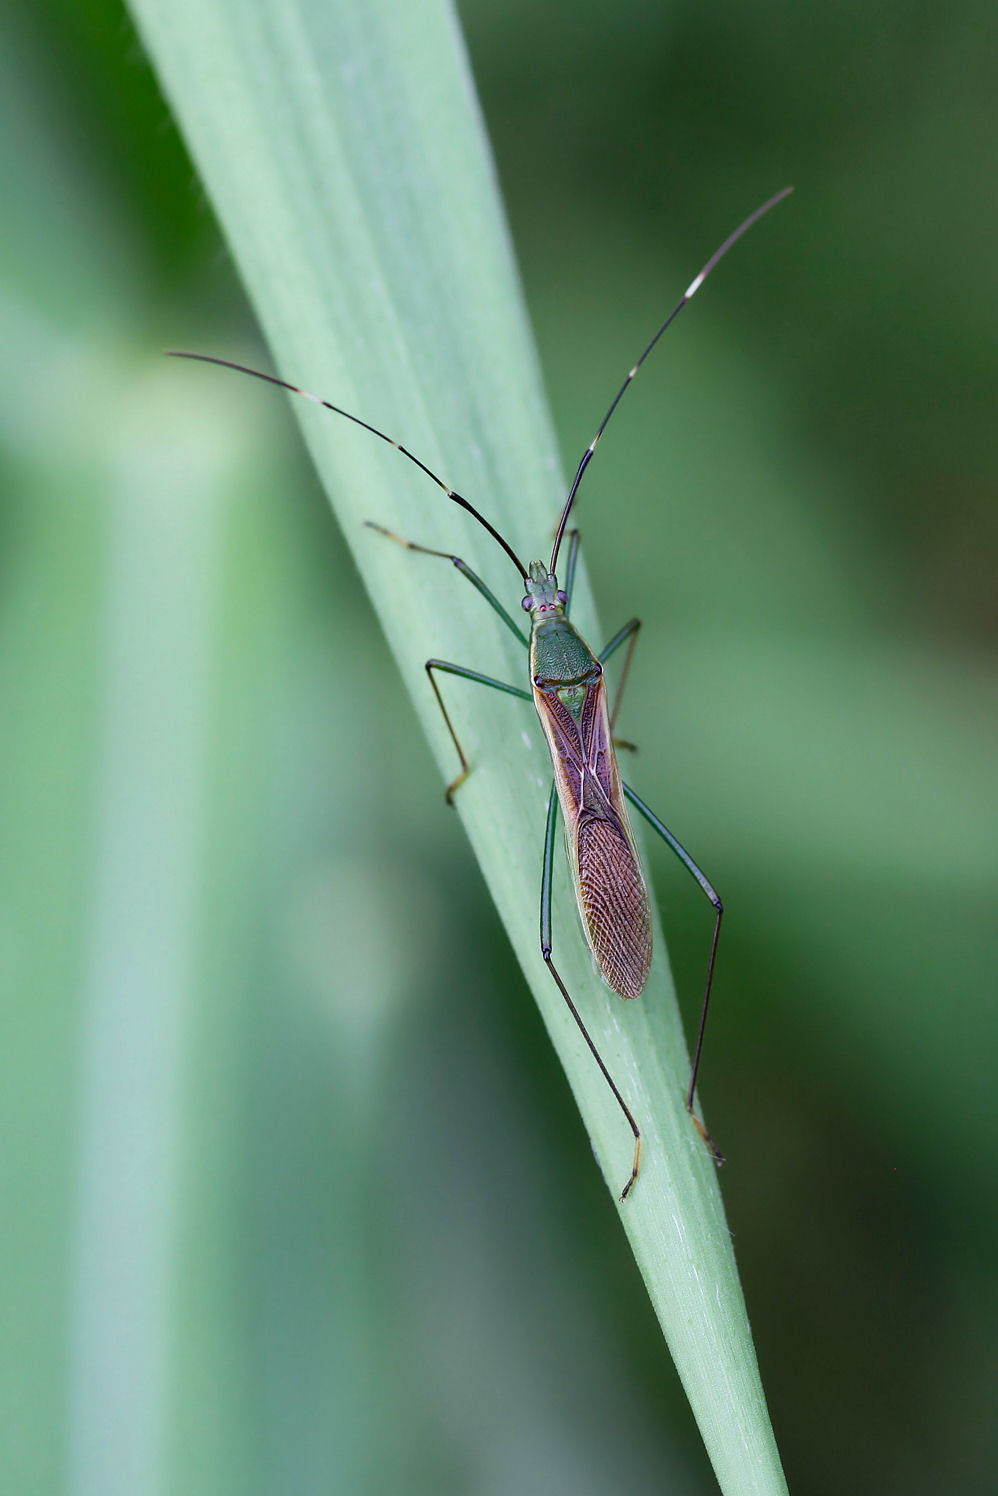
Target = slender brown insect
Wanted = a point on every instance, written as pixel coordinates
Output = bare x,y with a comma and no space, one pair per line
568,690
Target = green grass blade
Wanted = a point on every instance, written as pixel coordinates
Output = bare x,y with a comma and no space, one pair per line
343,151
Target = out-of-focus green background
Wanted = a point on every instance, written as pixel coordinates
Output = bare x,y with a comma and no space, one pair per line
259,1239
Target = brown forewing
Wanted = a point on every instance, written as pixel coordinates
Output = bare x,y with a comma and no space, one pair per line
609,885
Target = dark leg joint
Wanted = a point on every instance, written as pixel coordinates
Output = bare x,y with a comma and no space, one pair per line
455,784
715,1150
635,1167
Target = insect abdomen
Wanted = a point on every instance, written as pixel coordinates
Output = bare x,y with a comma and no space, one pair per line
613,903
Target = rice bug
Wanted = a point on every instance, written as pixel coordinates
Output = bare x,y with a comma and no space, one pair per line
569,694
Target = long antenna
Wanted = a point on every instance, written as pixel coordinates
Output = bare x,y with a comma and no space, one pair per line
225,363
688,295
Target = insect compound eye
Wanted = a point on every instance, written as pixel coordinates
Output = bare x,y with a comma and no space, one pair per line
525,603
561,597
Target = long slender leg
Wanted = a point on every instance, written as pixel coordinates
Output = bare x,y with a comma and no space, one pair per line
482,680
628,632
462,567
546,871
715,900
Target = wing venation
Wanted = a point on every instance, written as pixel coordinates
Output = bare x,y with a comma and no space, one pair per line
615,906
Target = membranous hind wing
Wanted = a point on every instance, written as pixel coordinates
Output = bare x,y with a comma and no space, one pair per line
609,884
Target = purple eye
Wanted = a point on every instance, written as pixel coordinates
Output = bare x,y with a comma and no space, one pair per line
561,597
525,603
